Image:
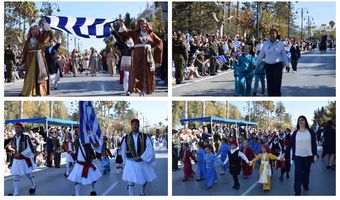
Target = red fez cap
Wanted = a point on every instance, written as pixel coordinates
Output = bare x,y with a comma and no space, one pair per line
135,120
266,146
285,142
19,124
233,142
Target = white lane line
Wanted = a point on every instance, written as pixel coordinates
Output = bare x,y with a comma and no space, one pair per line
110,188
250,189
11,83
202,79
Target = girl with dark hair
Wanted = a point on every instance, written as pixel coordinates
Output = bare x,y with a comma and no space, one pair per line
275,58
186,158
200,162
303,145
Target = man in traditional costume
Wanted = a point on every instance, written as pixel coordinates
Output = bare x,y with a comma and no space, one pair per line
51,55
85,172
69,152
23,163
36,81
138,156
146,56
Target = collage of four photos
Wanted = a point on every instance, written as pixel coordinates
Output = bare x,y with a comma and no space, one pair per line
211,98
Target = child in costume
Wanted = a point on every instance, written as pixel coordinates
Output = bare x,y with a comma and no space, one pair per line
200,162
186,158
106,155
234,158
265,169
223,151
210,159
286,163
246,150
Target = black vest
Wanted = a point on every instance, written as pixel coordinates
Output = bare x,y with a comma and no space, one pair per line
276,149
22,144
130,145
234,162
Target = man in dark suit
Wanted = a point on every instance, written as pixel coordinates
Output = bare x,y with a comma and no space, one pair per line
51,56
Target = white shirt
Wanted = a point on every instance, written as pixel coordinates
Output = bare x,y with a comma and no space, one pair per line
273,53
240,154
258,47
303,144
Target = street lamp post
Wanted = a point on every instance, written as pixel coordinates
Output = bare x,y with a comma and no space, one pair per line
289,7
302,11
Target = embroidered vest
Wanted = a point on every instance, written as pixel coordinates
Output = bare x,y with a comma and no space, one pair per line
234,159
131,152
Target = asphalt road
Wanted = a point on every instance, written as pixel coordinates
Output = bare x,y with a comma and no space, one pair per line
322,182
86,86
51,181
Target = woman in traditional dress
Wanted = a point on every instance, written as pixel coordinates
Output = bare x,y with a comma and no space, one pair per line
86,60
147,55
36,81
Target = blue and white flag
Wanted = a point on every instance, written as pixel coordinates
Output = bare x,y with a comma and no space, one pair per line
89,127
222,58
236,44
81,26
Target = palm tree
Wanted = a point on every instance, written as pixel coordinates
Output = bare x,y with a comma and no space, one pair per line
332,24
280,110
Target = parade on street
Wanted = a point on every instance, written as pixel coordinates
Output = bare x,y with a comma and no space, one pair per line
85,151
254,148
320,68
54,50
253,49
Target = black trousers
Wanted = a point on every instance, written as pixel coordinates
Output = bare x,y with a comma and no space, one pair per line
213,64
302,170
274,78
175,159
294,64
235,177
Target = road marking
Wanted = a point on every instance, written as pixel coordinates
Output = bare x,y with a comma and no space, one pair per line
249,189
110,188
203,79
17,81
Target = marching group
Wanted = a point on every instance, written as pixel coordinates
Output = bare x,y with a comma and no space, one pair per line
133,154
207,55
240,149
135,54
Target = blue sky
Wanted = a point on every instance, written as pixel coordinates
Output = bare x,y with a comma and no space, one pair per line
322,11
153,111
96,10
295,108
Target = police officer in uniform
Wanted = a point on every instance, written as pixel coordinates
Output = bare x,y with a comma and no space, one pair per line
180,54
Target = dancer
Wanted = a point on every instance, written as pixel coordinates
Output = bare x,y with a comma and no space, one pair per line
210,159
200,162
23,163
138,156
265,170
234,158
36,81
147,55
85,172
186,157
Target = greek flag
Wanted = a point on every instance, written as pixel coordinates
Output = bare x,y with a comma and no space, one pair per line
222,58
236,44
81,26
89,127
